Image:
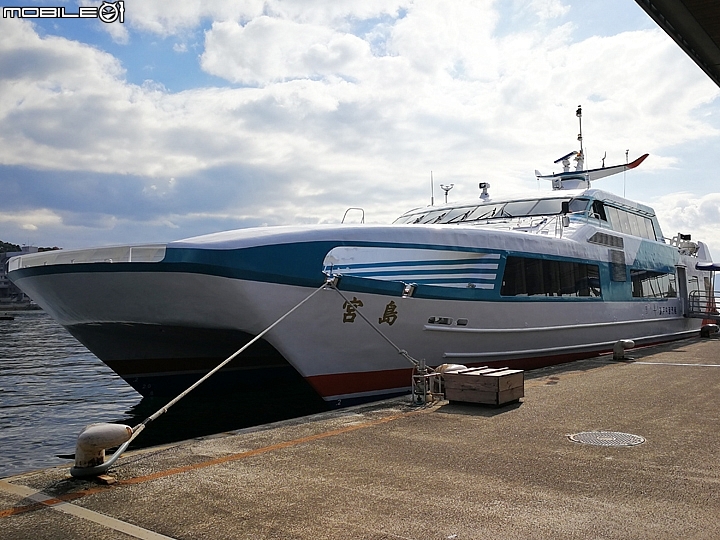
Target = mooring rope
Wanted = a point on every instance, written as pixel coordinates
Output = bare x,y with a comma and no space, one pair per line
403,352
242,349
100,469
330,282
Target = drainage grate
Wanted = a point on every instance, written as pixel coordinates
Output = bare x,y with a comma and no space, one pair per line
607,438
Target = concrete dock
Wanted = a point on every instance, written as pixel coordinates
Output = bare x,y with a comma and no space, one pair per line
445,471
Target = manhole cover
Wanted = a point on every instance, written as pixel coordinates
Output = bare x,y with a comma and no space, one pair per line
607,438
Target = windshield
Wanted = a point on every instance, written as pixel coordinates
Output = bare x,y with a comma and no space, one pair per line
491,211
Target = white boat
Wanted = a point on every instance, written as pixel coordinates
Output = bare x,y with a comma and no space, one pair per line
524,283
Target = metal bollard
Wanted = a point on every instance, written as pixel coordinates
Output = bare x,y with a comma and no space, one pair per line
619,348
95,439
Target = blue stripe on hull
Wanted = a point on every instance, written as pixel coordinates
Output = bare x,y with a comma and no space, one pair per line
301,264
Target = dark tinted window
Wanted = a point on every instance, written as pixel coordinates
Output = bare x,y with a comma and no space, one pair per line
649,284
518,208
547,207
526,276
578,205
457,215
486,211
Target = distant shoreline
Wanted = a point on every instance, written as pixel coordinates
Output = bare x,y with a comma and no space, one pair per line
19,306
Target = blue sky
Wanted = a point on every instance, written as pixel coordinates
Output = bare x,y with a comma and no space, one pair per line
192,117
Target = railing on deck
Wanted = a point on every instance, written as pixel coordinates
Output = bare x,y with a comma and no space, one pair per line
702,305
147,253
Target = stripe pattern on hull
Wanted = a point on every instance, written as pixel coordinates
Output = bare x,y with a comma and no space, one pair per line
419,266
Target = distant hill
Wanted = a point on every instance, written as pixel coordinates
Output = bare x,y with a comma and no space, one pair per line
6,246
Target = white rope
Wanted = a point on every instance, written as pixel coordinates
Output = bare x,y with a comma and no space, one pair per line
419,366
400,351
223,364
100,469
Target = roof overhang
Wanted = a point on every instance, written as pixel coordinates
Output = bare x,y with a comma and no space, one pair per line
694,25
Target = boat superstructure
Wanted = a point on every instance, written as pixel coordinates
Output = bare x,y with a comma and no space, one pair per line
523,282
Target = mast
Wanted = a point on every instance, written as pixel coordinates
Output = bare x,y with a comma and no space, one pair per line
580,157
580,178
432,190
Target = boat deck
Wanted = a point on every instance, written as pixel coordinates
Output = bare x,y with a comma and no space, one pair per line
446,471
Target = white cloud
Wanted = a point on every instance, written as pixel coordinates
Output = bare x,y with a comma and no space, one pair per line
169,18
688,214
165,19
444,97
451,36
344,110
548,9
268,50
335,12
30,220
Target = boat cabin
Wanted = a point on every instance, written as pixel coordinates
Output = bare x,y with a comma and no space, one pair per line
532,214
566,214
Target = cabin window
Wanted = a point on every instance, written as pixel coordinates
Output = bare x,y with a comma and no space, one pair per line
634,227
649,229
646,228
517,208
513,209
406,218
577,205
548,207
598,210
525,276
457,215
629,223
431,217
650,284
624,222
613,216
485,211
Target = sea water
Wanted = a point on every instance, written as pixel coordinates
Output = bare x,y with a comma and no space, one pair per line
51,387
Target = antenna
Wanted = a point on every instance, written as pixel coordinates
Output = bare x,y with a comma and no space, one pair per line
580,156
432,190
578,113
625,171
603,159
446,189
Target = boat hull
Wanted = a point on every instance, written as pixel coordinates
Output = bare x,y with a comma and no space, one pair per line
161,330
164,360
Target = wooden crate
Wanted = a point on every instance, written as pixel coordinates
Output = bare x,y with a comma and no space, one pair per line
485,385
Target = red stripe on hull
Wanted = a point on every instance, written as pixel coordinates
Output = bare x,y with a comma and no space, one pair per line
397,380
338,384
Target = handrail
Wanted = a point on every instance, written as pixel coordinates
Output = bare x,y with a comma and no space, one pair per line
703,303
362,220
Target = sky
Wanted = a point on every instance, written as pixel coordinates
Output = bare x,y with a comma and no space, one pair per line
192,117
